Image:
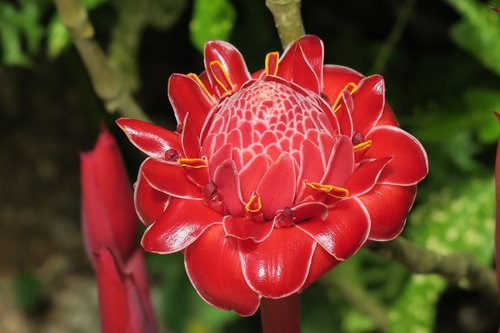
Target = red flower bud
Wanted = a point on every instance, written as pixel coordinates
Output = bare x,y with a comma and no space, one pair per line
108,214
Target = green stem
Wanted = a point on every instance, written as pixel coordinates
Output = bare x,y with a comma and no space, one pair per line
394,37
107,83
457,267
287,18
280,315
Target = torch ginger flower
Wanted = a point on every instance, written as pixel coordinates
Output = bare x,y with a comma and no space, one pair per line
272,178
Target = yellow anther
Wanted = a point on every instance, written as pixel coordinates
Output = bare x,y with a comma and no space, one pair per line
221,76
272,63
203,87
331,190
362,146
254,205
351,87
194,163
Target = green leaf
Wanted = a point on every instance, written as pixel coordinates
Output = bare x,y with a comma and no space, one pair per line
478,32
58,38
458,219
473,113
212,19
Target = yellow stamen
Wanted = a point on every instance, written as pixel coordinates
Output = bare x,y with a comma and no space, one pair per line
351,87
331,190
254,205
221,76
203,87
272,63
194,163
362,146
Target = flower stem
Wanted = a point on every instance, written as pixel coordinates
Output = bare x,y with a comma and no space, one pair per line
287,18
280,315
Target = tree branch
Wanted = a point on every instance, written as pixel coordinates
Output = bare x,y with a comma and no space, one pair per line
107,83
287,18
456,268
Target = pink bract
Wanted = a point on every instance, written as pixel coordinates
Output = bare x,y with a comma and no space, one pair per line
272,178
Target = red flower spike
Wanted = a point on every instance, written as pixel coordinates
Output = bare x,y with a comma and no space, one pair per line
121,304
108,215
279,175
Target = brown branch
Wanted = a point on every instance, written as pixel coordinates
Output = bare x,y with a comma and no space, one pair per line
287,18
457,268
107,83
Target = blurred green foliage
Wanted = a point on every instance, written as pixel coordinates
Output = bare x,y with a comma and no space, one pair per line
444,96
212,19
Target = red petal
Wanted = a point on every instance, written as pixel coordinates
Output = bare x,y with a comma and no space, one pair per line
312,48
369,100
251,175
149,138
222,154
149,203
230,58
190,142
388,206
335,78
228,185
409,165
311,168
277,187
308,210
303,74
321,263
343,232
181,224
108,211
169,178
365,176
278,266
243,228
186,96
214,268
341,163
387,117
344,114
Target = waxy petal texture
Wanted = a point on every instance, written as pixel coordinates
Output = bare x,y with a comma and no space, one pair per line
276,176
213,266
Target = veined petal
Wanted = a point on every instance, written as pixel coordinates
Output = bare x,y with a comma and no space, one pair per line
343,232
214,268
278,266
243,228
366,176
388,206
179,226
170,179
187,96
410,164
369,101
151,139
149,202
277,187
230,58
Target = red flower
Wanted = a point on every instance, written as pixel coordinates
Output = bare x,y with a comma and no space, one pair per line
110,228
271,179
